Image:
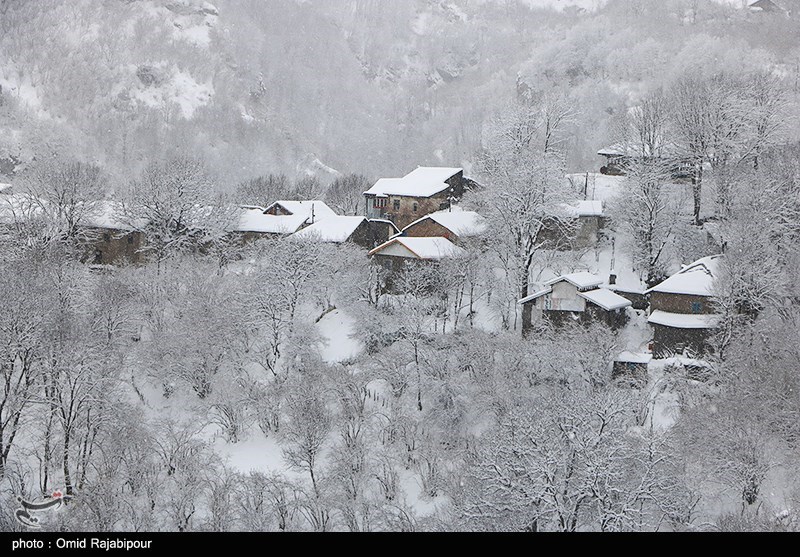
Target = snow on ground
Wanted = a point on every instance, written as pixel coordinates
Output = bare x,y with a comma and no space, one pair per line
182,89
336,327
255,454
599,187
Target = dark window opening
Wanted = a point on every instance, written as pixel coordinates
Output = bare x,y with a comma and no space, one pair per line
414,208
396,204
697,307
106,236
130,239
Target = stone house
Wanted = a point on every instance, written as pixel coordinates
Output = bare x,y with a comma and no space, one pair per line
577,297
109,237
682,313
424,191
577,225
402,253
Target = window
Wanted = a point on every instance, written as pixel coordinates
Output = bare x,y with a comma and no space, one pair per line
414,207
130,239
106,236
444,206
697,307
379,202
396,204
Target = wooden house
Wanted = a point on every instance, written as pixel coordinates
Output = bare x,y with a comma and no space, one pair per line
403,253
577,297
682,312
357,230
620,155
454,224
424,191
632,366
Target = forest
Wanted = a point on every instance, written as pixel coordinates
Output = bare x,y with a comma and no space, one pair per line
231,379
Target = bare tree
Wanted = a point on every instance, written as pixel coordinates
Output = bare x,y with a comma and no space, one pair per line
346,194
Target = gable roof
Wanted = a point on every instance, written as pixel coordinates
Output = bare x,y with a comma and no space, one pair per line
459,222
582,280
318,208
605,299
334,230
535,295
432,248
696,279
425,181
255,220
585,208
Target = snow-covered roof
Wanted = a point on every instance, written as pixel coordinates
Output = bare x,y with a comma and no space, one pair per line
318,208
335,229
108,214
635,150
634,357
425,181
535,295
581,280
459,222
696,279
606,299
255,220
585,208
420,248
683,320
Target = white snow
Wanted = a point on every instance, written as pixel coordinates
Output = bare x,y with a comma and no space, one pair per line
580,280
419,248
182,90
535,295
696,279
459,222
586,208
336,229
254,220
314,208
634,357
606,299
422,182
683,320
337,329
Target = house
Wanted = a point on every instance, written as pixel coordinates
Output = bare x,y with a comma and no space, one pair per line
400,253
578,225
454,224
280,219
620,155
632,365
357,230
419,193
109,237
681,309
313,210
577,297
